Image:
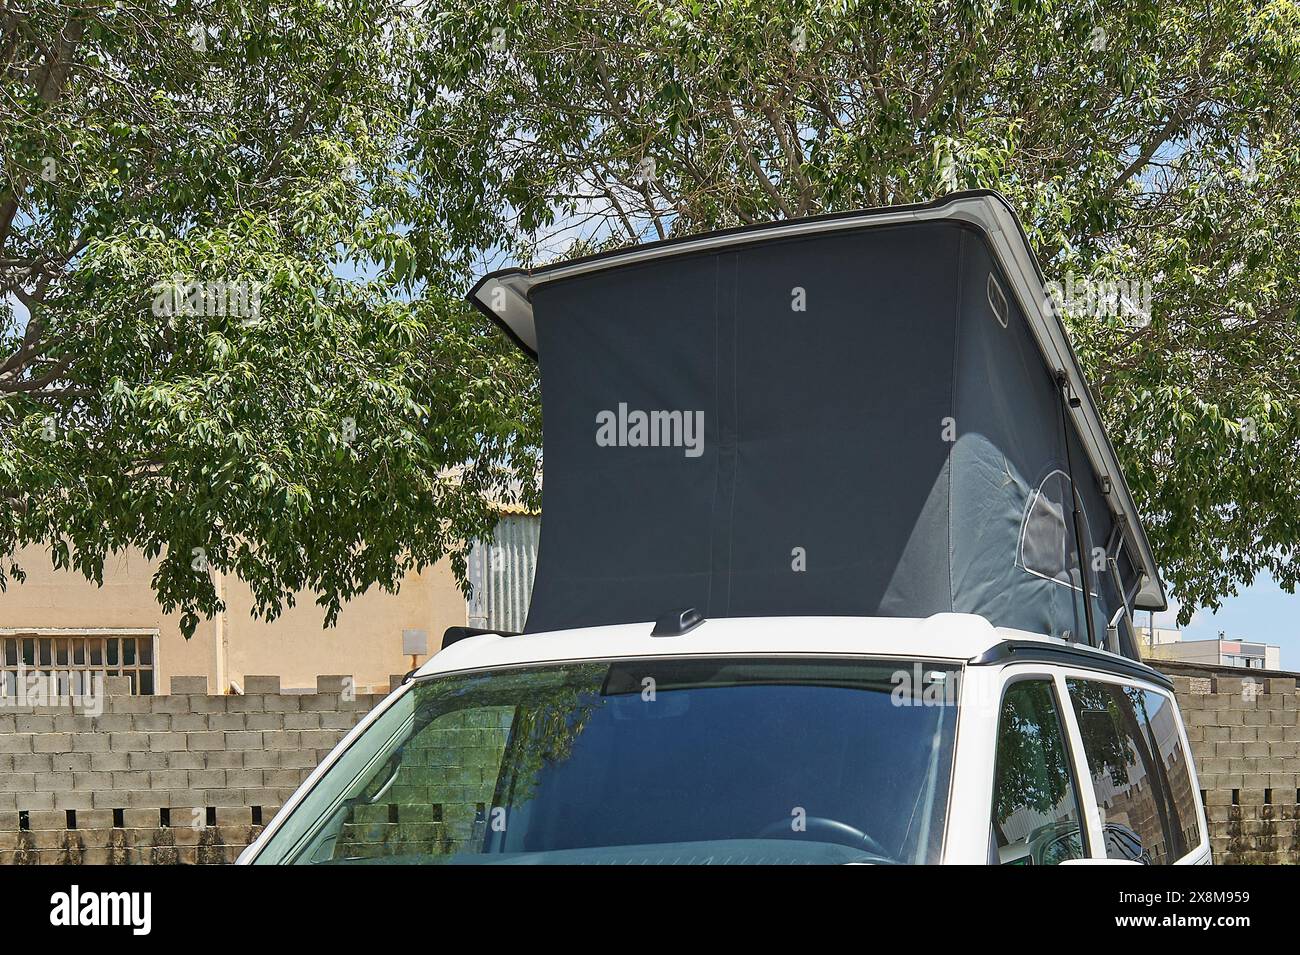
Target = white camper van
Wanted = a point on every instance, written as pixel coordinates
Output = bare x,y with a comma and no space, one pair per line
837,564
762,740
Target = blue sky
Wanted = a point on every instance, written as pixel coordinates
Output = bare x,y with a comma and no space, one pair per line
1262,612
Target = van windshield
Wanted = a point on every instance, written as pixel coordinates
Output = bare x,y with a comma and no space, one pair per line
706,760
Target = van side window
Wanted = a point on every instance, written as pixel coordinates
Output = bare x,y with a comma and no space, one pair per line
1036,819
1160,719
1131,780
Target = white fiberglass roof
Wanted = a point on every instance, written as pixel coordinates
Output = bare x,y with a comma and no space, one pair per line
945,636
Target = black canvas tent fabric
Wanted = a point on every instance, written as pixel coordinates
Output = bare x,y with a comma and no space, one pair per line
889,448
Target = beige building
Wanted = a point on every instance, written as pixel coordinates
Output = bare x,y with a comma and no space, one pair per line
1168,644
59,621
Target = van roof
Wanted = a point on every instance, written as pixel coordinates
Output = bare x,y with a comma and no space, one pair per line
943,636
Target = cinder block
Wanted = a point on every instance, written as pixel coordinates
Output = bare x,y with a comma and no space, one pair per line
115,722
166,742
1280,685
32,763
153,722
73,800
244,779
54,782
204,704
200,779
35,800
207,740
147,761
282,739
335,684
148,799
318,739
1212,767
29,723
300,759
222,797
186,760
223,759
128,742
227,721
284,703
189,684
169,779
235,816
74,723
10,743
137,818
90,742
129,704
282,778
183,802
188,722
261,684
243,740
47,819
181,704
339,722
92,781
117,686
264,758
91,819
52,742
248,703
107,799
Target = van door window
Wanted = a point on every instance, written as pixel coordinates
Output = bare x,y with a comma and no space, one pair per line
1036,819
1159,717
1130,772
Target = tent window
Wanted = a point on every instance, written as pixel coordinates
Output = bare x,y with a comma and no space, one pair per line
1047,542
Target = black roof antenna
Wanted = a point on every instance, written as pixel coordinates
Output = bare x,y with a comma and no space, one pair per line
677,622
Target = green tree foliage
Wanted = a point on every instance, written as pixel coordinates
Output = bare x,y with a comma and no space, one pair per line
245,349
361,159
1149,147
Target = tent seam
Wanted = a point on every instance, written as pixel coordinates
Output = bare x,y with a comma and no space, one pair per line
952,402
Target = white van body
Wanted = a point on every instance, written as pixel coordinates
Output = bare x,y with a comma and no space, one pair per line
1002,674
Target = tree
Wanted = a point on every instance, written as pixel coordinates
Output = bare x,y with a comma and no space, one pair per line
231,333
1149,147
354,161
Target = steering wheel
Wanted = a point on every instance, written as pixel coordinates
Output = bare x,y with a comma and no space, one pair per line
831,830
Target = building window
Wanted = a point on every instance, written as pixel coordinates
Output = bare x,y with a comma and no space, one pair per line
59,663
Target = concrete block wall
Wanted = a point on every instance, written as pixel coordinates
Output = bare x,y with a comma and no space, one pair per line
186,777
1245,736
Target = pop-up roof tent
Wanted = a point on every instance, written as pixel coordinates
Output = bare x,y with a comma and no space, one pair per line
860,414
